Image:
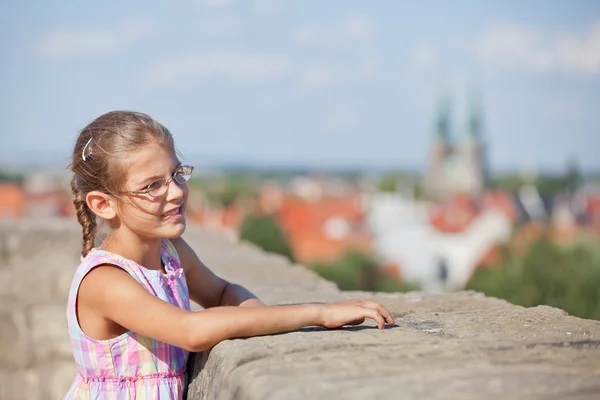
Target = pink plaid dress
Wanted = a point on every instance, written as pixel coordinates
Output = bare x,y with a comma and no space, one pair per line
130,366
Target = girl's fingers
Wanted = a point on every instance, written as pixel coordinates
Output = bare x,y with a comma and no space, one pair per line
376,306
378,318
388,316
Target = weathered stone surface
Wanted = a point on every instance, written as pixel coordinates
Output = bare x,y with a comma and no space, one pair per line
20,384
34,281
459,345
14,345
63,278
7,285
478,348
48,332
57,380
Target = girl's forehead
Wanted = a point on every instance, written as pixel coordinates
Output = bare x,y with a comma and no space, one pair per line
150,160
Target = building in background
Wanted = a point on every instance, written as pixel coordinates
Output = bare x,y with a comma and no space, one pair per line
456,167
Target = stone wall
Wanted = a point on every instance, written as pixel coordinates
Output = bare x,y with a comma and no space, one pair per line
37,263
443,345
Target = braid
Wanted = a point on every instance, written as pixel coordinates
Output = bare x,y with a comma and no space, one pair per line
86,218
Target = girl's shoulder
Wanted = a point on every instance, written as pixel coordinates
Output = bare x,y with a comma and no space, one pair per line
98,257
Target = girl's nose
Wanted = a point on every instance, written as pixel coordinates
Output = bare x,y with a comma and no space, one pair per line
176,191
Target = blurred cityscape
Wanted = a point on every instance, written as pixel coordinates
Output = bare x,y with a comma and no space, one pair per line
380,230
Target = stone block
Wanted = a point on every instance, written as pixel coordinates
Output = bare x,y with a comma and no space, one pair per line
57,379
49,332
14,337
34,282
7,286
63,279
19,385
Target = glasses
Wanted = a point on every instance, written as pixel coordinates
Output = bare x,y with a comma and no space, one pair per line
159,187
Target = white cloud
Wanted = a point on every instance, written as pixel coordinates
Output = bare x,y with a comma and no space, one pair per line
351,30
365,69
517,47
424,56
239,67
91,42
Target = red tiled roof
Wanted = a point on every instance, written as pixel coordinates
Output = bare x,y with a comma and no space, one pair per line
12,200
299,215
304,222
310,247
232,217
502,201
455,215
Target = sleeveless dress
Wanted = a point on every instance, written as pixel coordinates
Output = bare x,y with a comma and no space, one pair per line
130,366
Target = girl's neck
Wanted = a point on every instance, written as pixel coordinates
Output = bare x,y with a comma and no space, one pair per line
144,251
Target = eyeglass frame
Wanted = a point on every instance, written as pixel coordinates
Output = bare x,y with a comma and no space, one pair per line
167,182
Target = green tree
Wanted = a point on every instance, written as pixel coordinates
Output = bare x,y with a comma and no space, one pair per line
398,181
264,231
573,178
6,176
226,190
389,183
570,181
563,277
359,271
508,182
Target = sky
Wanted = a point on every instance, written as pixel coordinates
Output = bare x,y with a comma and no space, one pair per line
337,83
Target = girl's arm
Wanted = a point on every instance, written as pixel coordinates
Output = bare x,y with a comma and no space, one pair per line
114,295
206,288
237,295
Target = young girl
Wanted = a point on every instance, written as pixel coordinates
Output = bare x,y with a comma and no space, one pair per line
129,315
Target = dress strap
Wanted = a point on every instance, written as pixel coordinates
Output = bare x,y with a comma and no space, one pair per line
170,256
175,275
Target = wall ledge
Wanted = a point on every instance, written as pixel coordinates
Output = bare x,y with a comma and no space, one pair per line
443,345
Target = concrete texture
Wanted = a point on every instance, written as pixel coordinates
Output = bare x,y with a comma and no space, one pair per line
459,345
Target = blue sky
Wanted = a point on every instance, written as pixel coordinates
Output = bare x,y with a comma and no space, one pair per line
319,83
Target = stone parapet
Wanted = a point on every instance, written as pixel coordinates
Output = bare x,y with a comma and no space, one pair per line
457,345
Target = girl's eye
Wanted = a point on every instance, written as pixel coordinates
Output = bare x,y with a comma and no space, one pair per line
156,185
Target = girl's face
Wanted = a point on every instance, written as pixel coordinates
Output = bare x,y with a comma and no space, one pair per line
161,216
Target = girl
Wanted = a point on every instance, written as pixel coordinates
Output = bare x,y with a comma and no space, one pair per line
129,315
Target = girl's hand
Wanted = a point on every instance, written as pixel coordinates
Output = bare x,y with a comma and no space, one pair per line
354,312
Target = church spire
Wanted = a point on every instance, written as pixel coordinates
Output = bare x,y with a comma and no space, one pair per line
442,124
475,122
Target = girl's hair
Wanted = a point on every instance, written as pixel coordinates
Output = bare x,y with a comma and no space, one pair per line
99,152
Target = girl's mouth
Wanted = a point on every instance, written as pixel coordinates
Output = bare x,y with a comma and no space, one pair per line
176,213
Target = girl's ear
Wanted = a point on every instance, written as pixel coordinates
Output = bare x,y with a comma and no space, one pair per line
101,204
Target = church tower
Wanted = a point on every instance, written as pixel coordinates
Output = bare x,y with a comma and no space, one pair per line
474,149
456,168
441,149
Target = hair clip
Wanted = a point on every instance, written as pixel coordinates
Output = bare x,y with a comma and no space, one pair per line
87,157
